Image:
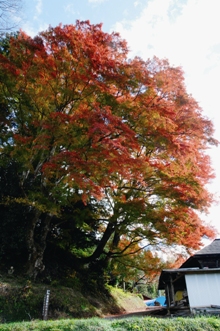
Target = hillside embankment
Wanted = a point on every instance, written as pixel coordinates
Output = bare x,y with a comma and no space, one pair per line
22,300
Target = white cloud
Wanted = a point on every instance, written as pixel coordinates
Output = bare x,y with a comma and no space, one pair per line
189,40
30,31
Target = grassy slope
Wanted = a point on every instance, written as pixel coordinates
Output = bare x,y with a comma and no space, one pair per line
126,301
21,300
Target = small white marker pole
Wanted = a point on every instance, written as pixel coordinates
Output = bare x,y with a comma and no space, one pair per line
46,305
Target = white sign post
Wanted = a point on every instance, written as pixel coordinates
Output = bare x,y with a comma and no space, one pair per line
46,305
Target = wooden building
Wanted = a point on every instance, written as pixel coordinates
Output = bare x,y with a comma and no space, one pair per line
196,284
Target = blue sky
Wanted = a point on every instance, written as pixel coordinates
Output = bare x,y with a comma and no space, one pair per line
186,32
53,12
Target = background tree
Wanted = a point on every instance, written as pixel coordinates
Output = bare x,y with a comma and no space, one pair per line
105,147
136,266
9,10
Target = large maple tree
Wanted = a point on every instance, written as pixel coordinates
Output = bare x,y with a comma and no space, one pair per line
84,123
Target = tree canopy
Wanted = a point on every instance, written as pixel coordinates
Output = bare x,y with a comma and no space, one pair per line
108,152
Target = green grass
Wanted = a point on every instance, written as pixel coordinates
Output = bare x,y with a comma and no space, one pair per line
126,324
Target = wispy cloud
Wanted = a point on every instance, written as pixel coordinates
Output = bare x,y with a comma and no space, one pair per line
39,7
70,8
136,3
97,1
28,28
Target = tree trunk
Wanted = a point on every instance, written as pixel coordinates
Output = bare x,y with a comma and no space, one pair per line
102,244
36,243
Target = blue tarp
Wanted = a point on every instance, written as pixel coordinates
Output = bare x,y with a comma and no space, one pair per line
161,300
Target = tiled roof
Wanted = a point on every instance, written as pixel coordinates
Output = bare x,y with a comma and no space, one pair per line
213,248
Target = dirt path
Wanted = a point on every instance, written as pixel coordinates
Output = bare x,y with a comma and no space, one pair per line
154,311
